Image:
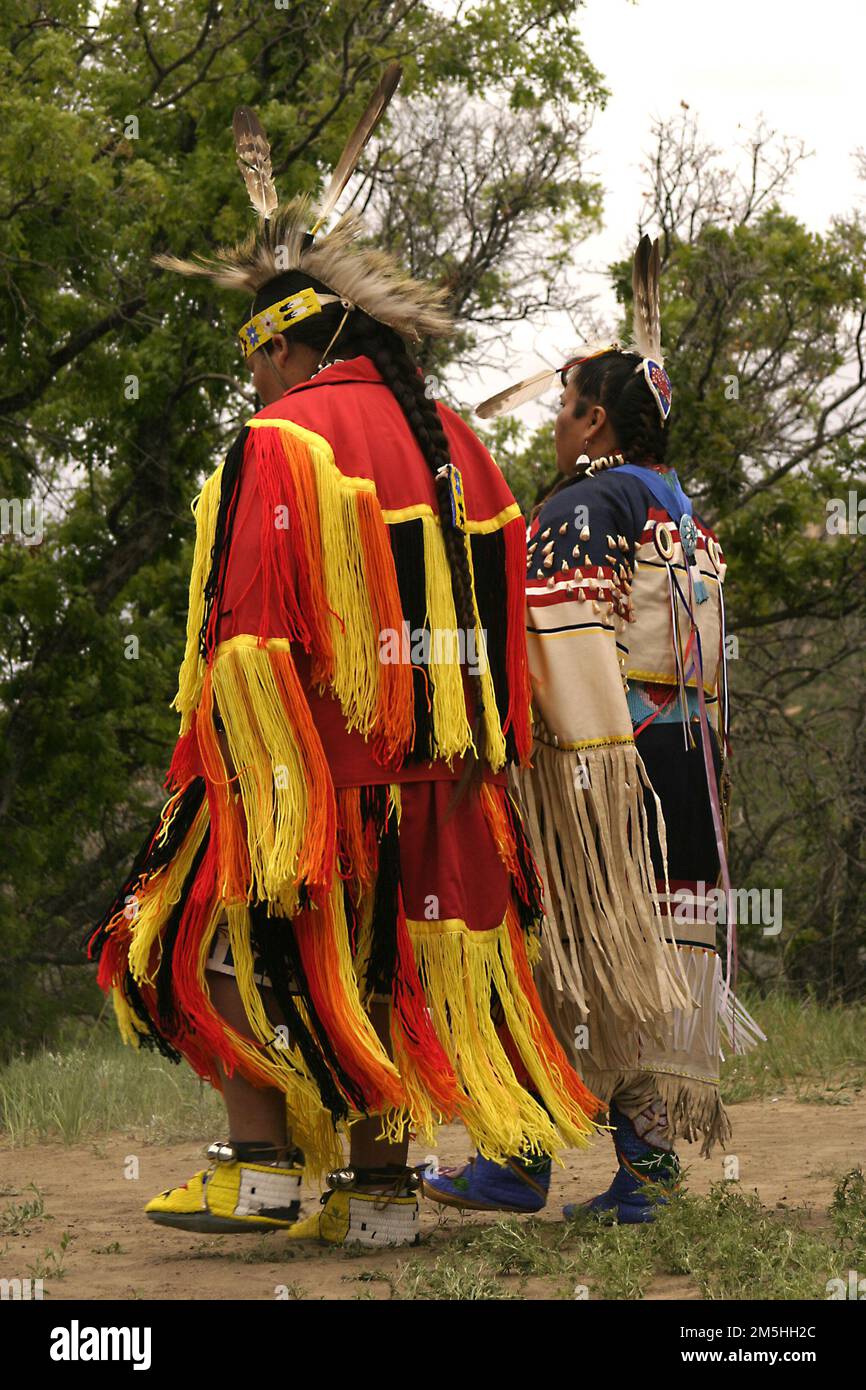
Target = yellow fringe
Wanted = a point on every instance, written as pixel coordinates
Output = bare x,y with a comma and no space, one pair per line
355,639
460,968
157,900
522,1023
452,729
346,986
363,945
496,751
191,675
418,1115
311,1123
130,1027
271,770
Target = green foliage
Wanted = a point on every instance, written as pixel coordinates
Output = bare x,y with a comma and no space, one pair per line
725,1245
848,1214
17,1216
93,1085
813,1052
121,385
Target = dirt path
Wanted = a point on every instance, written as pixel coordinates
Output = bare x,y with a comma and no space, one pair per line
791,1154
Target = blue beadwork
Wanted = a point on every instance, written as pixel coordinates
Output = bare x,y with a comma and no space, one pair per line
492,1186
643,1176
640,706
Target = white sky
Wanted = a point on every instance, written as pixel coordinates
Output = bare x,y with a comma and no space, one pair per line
800,65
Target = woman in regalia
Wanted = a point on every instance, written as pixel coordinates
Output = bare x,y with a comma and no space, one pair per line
625,622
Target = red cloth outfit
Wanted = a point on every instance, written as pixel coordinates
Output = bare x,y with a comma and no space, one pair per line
327,843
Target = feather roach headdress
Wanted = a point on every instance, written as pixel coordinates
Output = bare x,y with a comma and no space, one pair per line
288,238
646,343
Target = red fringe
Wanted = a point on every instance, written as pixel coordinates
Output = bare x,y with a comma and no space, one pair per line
315,935
500,812
202,1032
359,850
516,663
319,849
114,958
419,1036
227,822
186,761
548,1050
291,557
187,1044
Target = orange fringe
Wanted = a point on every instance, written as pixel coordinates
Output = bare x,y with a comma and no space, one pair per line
549,1054
228,827
395,718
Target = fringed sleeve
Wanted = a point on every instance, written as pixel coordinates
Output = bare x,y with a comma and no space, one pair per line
583,795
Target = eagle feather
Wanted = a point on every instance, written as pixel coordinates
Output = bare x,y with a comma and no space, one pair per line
647,330
254,161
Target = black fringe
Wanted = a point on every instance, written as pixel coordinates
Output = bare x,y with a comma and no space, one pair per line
223,533
530,906
273,942
153,1039
181,824
407,546
149,858
679,780
491,587
382,965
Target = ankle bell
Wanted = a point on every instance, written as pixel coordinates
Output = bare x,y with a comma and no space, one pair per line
343,1179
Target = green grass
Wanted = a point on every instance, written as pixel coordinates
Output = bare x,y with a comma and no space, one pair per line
50,1264
726,1245
91,1085
813,1053
721,1246
17,1216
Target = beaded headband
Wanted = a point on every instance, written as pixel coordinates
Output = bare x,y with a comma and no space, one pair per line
291,237
291,309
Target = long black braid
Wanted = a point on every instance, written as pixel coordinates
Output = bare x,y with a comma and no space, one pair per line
364,336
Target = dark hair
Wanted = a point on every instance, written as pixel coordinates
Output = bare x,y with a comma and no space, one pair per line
364,336
614,380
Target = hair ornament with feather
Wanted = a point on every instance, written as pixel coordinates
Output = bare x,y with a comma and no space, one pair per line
646,343
647,331
289,237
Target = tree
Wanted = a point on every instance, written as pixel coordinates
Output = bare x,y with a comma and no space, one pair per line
120,386
764,325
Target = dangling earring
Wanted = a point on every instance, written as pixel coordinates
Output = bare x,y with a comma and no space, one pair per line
583,460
